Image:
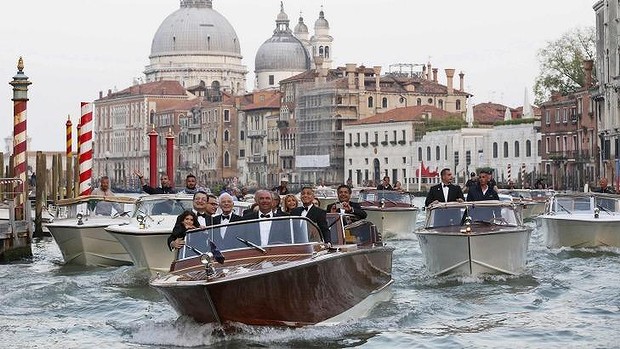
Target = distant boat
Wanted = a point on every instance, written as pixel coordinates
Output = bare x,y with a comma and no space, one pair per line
295,280
393,212
582,220
473,238
80,232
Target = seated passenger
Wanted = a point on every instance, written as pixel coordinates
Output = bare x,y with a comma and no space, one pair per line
185,221
345,205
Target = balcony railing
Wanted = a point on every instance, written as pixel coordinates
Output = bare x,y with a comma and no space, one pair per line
257,133
575,155
287,153
257,159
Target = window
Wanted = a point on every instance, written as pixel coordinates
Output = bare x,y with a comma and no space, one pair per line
547,144
226,115
547,117
350,161
241,153
428,153
528,148
458,104
437,153
565,115
440,104
370,102
430,101
242,135
404,159
271,79
226,159
394,134
226,136
418,101
505,149
564,143
384,102
366,161
404,135
557,143
419,153
557,116
516,149
326,51
494,150
385,160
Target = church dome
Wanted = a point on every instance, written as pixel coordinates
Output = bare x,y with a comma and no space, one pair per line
197,28
321,23
301,27
282,52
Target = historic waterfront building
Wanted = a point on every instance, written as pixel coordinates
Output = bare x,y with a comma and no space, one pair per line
197,44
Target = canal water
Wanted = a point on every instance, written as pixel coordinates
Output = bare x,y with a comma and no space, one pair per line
565,299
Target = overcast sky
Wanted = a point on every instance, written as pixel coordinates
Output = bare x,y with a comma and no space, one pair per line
73,49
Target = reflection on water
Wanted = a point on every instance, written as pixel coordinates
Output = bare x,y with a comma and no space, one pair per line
565,298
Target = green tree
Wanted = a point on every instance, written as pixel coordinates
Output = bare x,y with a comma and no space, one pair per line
561,63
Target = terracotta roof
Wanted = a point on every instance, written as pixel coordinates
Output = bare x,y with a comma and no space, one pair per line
414,113
489,113
271,100
157,88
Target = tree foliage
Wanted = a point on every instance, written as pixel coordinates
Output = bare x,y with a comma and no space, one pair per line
561,63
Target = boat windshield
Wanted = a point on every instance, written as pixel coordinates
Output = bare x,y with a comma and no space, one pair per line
163,206
244,234
569,204
386,195
455,216
93,207
325,193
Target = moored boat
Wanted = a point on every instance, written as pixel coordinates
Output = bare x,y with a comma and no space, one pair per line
473,238
295,280
79,231
581,220
393,212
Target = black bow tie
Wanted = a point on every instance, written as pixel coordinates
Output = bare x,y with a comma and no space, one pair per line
205,215
226,217
265,216
446,185
306,208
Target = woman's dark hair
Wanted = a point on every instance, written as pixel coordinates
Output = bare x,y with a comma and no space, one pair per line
186,213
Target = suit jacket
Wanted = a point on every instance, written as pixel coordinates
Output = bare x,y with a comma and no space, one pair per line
318,216
357,209
475,194
278,233
436,193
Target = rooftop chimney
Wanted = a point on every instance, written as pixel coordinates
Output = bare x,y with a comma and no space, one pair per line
100,94
361,78
350,69
461,82
428,71
450,78
377,71
435,70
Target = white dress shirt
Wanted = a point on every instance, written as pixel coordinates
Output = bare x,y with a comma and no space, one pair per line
265,227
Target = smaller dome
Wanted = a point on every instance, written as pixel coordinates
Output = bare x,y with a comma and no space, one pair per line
301,27
282,52
321,23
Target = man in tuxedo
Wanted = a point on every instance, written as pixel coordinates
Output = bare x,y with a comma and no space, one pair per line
344,204
261,236
484,190
444,191
314,213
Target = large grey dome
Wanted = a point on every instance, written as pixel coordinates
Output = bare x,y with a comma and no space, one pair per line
282,52
197,28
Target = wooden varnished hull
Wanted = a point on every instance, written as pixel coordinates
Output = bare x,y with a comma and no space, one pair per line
291,290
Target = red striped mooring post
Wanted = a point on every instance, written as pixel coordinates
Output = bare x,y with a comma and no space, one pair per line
69,137
20,99
86,148
153,157
170,155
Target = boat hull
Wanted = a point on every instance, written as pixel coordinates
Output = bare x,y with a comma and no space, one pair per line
146,248
393,222
571,231
310,291
88,244
502,252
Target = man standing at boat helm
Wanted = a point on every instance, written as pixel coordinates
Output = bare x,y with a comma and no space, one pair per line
265,211
604,187
483,191
444,191
344,204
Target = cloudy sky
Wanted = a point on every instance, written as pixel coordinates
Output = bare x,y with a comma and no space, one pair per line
73,49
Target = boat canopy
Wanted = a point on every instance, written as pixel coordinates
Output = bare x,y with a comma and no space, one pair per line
585,202
392,196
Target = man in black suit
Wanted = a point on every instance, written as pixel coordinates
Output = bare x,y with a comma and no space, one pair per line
313,213
344,205
444,191
263,235
484,190
224,237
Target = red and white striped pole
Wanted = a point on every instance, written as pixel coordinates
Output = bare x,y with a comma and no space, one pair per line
69,137
20,98
509,173
523,175
170,156
86,148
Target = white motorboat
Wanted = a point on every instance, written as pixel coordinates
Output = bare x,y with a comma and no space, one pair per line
79,229
529,203
582,220
473,238
145,237
393,212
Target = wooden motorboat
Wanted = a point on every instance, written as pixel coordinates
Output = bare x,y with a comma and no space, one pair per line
531,203
79,229
472,238
393,212
294,280
582,220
